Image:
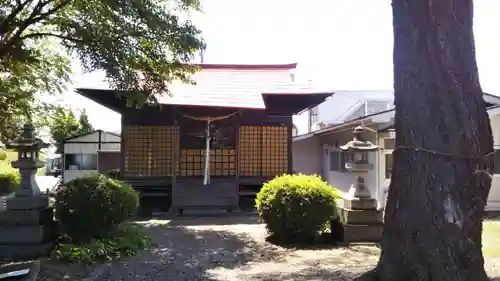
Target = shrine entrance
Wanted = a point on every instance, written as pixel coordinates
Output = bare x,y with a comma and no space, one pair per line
207,161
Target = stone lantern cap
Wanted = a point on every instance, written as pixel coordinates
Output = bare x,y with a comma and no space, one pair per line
28,142
358,143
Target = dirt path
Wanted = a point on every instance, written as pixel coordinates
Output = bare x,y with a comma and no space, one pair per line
233,249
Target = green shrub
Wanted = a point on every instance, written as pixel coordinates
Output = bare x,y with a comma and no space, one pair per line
3,155
296,208
126,240
90,207
9,179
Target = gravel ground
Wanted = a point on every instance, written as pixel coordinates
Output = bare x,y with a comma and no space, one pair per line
223,249
233,249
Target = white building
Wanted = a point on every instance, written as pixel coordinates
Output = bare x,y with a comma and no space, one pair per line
343,106
93,152
318,152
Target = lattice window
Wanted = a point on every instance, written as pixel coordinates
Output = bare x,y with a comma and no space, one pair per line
263,150
222,162
163,138
191,162
274,150
137,141
250,150
148,150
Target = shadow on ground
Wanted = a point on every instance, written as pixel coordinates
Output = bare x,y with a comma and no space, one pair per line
224,249
236,220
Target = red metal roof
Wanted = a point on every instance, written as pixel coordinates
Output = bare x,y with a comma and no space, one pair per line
238,86
235,86
248,66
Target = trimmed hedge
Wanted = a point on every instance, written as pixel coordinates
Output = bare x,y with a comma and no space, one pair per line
92,207
297,208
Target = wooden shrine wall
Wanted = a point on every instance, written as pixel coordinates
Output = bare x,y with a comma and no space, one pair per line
150,145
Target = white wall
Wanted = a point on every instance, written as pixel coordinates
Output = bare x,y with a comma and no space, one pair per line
344,180
311,156
306,156
494,196
88,144
79,145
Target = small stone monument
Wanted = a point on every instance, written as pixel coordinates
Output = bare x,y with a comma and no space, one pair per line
358,211
27,227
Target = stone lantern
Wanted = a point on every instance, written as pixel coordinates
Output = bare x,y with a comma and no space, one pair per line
27,226
358,164
361,220
28,161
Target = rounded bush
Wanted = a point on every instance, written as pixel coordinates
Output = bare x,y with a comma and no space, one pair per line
296,208
9,179
3,155
91,207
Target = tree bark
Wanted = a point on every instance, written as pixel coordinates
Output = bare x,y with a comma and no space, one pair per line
439,188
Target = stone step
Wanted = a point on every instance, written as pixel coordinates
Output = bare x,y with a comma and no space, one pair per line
348,216
202,211
362,233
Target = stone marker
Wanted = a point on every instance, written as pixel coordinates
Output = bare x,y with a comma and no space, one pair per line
27,227
358,211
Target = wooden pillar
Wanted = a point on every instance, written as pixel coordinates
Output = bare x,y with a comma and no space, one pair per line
290,143
175,147
237,157
122,146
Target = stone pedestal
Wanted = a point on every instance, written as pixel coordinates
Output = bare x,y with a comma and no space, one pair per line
361,220
27,228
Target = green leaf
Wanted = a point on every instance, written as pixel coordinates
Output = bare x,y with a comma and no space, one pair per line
140,45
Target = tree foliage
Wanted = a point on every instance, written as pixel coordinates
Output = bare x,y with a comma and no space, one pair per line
85,126
140,45
11,123
63,125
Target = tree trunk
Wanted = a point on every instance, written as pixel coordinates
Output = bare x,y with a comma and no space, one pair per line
433,220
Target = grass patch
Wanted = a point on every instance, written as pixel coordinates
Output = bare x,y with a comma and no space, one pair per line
11,155
127,240
491,238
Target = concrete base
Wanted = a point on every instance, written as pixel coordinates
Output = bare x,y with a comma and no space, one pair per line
27,234
357,203
348,216
27,203
27,217
361,220
362,233
27,228
18,252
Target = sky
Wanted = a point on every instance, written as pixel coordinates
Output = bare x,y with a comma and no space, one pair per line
338,44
